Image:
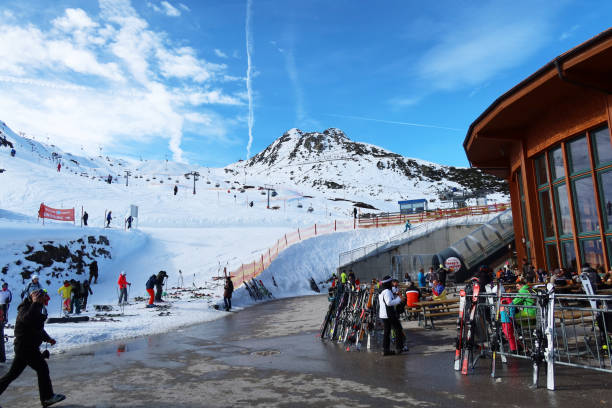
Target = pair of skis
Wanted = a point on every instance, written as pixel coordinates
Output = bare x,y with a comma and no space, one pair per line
466,329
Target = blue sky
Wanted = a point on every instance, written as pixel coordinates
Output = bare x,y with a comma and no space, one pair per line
172,78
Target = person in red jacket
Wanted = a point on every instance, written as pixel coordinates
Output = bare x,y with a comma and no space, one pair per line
123,284
59,167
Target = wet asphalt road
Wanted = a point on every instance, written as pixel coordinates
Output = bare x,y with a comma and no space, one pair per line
269,356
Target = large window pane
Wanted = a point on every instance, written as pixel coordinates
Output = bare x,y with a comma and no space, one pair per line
551,256
579,155
569,255
605,191
546,214
603,148
563,210
519,180
540,168
555,157
592,252
586,207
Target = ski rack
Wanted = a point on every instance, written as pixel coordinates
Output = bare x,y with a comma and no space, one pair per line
572,330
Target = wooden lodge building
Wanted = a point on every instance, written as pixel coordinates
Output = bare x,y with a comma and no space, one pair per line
549,136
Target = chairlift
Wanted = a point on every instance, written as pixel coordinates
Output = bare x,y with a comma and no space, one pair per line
299,205
217,184
310,209
274,193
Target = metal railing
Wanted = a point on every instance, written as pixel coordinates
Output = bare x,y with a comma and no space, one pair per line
572,330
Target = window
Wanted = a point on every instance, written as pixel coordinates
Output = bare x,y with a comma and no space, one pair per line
579,156
592,252
551,257
568,255
605,194
586,207
601,146
563,210
546,213
540,168
556,164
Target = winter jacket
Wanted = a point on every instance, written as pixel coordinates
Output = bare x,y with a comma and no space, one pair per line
592,275
228,289
32,287
122,282
77,290
160,278
30,327
65,291
386,300
422,281
442,276
525,298
93,269
86,289
151,282
5,297
343,277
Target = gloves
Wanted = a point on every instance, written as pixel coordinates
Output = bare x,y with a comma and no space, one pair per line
52,342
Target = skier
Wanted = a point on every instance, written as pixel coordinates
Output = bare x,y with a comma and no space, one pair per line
175,189
387,314
5,301
32,286
159,285
85,292
123,284
251,204
29,334
149,286
129,222
355,212
13,152
85,218
59,167
93,271
228,289
108,219
65,291
407,226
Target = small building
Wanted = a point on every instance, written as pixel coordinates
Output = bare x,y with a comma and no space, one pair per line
413,206
549,136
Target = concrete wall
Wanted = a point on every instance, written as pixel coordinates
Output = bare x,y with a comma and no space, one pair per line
377,266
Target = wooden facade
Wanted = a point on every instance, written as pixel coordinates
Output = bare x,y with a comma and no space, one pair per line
547,137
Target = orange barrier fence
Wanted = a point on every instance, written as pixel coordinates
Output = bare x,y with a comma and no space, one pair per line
251,270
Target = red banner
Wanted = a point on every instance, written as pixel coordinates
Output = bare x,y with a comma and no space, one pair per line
56,214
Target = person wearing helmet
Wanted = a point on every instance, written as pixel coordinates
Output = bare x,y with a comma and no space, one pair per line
123,284
32,286
29,335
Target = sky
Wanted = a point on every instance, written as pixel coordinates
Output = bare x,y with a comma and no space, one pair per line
210,82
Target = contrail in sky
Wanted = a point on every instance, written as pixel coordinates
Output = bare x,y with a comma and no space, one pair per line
393,122
249,50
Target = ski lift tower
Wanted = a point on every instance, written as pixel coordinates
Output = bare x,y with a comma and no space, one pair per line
195,176
268,188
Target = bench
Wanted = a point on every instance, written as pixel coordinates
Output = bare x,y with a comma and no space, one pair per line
437,309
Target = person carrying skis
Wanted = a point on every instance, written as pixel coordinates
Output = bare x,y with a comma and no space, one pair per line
93,271
32,286
123,284
29,335
175,189
159,285
65,292
85,292
228,289
387,302
5,301
149,286
108,219
85,218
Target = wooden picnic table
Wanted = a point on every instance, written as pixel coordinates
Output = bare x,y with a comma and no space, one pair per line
430,309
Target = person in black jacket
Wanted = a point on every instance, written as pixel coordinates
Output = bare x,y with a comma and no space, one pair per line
159,285
149,286
93,272
228,289
29,335
77,293
86,291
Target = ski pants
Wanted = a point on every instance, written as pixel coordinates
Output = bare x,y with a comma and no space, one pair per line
34,359
228,302
152,295
508,329
84,302
75,305
123,295
388,324
66,305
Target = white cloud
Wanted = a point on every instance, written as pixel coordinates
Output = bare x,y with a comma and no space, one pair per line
170,10
184,7
130,92
479,42
220,53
